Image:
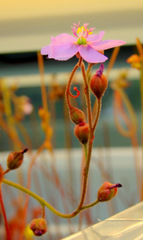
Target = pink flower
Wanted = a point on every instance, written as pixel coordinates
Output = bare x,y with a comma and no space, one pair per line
89,46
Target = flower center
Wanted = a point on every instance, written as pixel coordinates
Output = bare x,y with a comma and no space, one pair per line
81,41
81,33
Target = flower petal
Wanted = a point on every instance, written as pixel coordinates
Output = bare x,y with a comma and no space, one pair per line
62,47
90,55
63,38
45,50
95,37
103,45
63,52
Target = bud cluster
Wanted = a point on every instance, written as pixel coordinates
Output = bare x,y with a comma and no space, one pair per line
81,129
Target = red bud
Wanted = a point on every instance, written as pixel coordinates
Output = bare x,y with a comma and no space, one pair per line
107,191
15,159
38,226
81,132
99,82
76,115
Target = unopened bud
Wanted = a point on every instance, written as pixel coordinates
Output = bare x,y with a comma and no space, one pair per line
38,226
99,83
81,131
76,115
15,159
107,191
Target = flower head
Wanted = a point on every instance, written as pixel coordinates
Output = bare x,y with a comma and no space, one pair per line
88,45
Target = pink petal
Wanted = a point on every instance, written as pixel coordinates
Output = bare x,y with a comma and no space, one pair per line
95,37
63,38
103,45
62,47
63,52
45,50
90,55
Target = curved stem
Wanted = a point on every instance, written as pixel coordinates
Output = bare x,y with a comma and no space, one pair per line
42,201
67,93
34,195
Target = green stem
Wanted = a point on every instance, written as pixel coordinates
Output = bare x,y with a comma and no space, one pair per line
42,201
34,195
85,151
90,205
99,102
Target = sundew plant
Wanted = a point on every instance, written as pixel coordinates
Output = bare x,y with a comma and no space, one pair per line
88,48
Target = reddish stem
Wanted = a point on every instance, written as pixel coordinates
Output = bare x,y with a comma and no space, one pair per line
68,93
4,217
77,95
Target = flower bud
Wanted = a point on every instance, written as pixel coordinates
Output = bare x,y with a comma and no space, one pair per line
38,226
81,131
99,83
107,191
15,159
76,115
